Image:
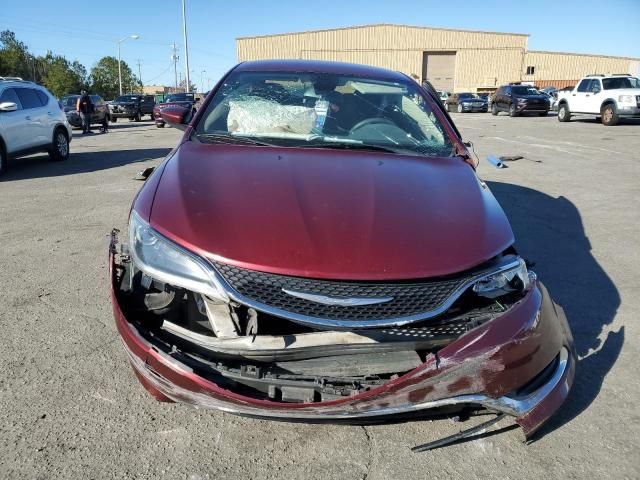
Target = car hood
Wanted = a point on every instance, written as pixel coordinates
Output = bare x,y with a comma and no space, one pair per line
532,97
472,100
328,213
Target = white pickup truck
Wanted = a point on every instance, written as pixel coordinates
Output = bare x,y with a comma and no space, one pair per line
609,97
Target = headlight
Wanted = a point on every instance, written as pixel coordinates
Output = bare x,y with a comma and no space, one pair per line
626,99
163,260
513,277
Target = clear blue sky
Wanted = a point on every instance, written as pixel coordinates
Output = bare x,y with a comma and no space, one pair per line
88,30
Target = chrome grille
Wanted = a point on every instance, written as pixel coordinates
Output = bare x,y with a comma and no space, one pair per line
409,298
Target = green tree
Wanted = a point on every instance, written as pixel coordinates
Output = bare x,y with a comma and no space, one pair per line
15,60
104,78
60,77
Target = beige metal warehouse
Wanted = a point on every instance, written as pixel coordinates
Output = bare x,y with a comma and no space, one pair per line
453,60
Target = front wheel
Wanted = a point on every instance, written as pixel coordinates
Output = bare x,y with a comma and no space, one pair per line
564,115
60,146
494,109
459,108
609,115
512,110
113,119
137,118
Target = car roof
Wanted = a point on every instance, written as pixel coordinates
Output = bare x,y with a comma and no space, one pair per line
320,66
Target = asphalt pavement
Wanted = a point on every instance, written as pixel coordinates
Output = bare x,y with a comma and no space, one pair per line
70,406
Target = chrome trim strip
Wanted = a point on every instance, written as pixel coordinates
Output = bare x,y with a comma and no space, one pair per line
343,302
355,324
510,406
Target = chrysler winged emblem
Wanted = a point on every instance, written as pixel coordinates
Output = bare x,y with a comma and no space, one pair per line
339,301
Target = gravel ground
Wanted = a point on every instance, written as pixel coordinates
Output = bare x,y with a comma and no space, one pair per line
70,406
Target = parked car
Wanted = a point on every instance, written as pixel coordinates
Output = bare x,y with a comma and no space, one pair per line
31,121
551,98
518,99
133,107
319,247
443,95
466,102
611,97
187,100
99,116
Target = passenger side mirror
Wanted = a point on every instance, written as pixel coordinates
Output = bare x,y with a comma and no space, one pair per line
176,116
8,107
595,89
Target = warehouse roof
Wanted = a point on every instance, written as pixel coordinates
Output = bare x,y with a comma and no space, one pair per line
383,25
583,54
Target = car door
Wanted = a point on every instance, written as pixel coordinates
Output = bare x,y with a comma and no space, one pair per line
36,115
14,124
593,97
503,97
99,109
578,99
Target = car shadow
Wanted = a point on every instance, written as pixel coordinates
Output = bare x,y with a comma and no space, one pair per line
39,166
549,231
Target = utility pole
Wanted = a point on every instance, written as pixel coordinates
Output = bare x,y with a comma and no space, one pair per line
174,58
180,77
186,45
140,72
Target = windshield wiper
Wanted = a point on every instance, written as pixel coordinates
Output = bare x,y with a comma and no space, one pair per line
350,146
230,139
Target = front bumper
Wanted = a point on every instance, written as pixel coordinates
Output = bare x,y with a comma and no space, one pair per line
123,113
473,107
521,363
526,107
628,111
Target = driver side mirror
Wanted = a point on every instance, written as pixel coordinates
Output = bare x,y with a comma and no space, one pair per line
595,89
176,116
8,107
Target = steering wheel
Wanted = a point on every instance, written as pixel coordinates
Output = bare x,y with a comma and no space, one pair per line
371,121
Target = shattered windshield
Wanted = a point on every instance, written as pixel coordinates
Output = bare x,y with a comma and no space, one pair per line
320,110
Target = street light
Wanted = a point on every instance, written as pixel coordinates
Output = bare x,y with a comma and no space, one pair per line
133,37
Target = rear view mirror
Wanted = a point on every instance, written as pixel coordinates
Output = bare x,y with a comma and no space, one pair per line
8,107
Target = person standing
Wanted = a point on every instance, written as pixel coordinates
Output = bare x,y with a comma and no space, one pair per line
84,106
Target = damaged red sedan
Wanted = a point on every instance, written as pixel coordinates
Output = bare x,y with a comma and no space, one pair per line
318,247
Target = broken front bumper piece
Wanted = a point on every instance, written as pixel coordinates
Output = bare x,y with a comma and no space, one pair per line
520,363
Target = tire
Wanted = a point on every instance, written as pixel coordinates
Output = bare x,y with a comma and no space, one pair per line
564,115
113,119
512,111
160,125
3,160
448,107
138,117
494,109
609,115
460,110
59,150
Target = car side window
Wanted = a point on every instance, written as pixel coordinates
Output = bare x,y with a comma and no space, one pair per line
595,85
9,95
28,98
584,85
44,98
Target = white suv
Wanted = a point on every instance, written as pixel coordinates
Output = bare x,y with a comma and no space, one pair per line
610,97
30,121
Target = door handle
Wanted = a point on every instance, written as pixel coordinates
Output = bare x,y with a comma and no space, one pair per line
49,113
27,117
587,95
573,94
